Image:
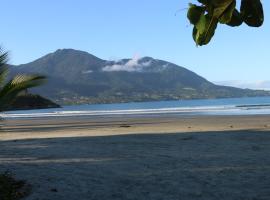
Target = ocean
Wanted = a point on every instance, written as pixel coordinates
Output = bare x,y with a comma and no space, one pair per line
228,106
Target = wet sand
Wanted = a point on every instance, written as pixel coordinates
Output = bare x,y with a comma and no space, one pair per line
158,157
122,125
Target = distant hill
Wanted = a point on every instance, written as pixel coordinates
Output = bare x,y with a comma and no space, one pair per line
77,77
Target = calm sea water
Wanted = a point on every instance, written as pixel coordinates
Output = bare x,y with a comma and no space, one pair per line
229,106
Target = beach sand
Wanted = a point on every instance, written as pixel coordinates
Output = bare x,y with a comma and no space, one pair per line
144,158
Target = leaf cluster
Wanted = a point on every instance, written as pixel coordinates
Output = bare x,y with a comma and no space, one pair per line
12,189
10,89
206,16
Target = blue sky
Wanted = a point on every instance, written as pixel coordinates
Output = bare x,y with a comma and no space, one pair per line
124,28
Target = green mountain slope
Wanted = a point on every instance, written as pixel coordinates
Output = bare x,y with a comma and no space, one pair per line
78,77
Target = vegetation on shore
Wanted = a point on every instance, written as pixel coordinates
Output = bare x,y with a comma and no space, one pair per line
11,189
9,90
31,101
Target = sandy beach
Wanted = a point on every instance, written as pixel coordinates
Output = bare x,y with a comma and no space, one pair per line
154,157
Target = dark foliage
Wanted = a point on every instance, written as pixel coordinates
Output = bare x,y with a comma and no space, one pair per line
206,16
11,189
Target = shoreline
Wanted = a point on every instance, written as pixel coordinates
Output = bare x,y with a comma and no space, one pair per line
37,128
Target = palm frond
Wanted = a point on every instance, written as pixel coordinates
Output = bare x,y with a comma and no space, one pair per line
3,67
3,75
3,58
15,86
10,90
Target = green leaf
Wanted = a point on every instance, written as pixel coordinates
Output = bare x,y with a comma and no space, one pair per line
227,14
194,13
204,30
220,3
10,90
218,10
236,19
3,58
18,84
3,75
194,34
252,12
206,17
3,67
204,1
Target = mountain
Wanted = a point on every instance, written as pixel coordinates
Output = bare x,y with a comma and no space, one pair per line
78,77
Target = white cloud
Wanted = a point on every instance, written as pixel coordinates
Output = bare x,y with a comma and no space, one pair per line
133,65
256,85
165,66
87,72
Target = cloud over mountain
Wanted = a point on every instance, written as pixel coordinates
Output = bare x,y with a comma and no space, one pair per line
79,77
133,65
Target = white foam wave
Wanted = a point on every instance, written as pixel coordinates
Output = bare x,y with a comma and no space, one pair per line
68,113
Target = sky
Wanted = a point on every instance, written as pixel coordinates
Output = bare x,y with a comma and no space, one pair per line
123,28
